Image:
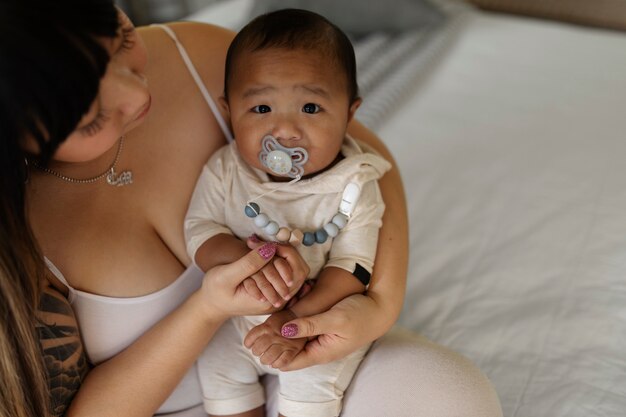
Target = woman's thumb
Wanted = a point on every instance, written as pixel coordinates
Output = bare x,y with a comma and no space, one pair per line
305,327
250,263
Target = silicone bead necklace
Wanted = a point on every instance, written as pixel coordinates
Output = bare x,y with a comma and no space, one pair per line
295,236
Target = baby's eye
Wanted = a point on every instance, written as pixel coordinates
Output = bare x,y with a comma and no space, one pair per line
311,108
261,109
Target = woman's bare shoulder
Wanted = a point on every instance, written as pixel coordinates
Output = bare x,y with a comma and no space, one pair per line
192,34
206,45
178,105
202,35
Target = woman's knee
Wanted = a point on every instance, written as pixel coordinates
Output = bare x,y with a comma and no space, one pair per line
406,375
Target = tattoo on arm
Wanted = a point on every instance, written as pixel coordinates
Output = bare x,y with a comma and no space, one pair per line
62,348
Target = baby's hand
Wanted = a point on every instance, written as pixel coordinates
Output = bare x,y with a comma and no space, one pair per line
266,342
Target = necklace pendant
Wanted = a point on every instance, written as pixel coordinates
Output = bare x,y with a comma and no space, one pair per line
121,179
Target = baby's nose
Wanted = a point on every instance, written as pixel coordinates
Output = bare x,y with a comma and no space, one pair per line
286,129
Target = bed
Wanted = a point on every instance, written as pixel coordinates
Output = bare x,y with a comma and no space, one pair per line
510,134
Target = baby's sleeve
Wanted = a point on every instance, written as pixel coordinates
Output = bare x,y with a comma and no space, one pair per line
356,243
205,215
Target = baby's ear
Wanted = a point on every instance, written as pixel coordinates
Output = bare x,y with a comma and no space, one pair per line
353,107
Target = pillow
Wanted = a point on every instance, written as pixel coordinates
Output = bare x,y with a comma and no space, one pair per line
361,17
609,14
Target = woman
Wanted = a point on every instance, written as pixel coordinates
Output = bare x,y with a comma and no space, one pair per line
115,130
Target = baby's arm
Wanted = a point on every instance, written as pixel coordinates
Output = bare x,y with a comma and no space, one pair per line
272,283
333,285
220,249
210,242
353,249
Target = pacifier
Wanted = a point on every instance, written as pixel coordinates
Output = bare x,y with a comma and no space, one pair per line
281,160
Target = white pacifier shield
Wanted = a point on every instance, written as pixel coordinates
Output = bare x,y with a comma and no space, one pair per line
282,160
279,162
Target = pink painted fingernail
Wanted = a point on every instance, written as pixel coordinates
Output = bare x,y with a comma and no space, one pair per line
267,251
254,238
289,330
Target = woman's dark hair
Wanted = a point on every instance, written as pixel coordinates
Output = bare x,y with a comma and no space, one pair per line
295,29
51,63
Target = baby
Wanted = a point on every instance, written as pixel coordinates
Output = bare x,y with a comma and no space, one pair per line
291,176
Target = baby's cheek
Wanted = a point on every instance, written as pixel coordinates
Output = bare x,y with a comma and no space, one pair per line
318,160
252,159
248,149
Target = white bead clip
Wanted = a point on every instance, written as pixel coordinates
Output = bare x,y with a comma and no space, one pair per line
350,197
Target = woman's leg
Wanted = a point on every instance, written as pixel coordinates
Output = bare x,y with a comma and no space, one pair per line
406,375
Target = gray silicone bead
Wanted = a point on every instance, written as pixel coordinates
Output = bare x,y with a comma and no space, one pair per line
340,220
308,239
252,210
261,220
331,229
321,236
271,228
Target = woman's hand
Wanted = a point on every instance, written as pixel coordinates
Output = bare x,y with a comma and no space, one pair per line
223,285
351,323
273,283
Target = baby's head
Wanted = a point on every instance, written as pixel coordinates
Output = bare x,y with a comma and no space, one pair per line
291,74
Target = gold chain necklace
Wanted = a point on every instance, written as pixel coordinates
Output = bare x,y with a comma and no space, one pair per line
119,180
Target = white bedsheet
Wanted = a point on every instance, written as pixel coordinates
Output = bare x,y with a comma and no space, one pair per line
514,157
513,151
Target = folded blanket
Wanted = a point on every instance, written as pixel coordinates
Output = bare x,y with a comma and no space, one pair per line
390,65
